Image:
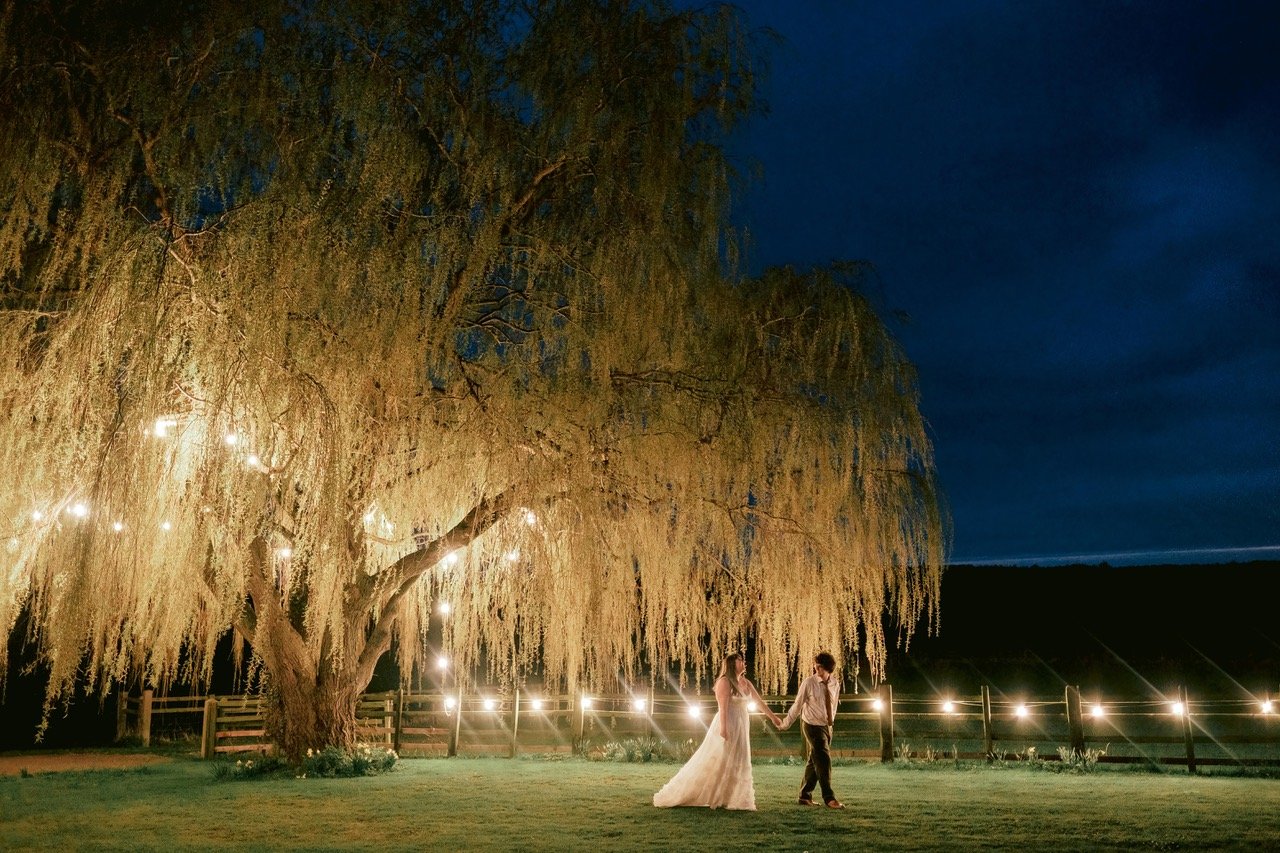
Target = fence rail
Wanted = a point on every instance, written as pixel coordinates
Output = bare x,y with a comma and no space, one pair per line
873,726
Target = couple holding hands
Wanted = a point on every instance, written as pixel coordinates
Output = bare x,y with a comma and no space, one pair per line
718,774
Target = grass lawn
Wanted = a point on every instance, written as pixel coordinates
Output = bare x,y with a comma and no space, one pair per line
573,804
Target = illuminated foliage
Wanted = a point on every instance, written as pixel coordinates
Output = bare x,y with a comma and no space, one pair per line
318,314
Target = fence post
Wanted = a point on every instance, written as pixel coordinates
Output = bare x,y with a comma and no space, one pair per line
988,737
209,732
122,714
580,722
1186,729
388,720
886,724
515,723
1075,721
144,721
395,740
452,751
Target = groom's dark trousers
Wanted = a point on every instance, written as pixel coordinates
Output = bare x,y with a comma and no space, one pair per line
818,770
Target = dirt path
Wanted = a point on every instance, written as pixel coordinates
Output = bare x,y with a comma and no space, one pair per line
13,765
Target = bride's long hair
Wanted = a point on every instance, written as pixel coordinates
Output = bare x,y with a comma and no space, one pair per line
729,670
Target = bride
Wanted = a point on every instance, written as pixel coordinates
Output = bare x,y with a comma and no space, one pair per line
719,773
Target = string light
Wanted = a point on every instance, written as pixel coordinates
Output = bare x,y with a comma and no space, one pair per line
490,705
1267,707
442,662
452,557
530,517
695,711
162,427
512,555
586,702
638,704
537,704
1099,712
449,703
1177,709
751,707
253,461
117,526
877,705
948,706
166,526
79,509
444,608
37,515
231,439
1020,711
285,552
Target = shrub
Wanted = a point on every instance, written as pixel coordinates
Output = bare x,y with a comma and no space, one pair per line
1080,762
364,760
330,762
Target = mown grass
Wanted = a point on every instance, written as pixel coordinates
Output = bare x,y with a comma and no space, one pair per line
572,804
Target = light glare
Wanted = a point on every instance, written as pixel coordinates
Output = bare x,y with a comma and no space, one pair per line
1177,709
1099,712
695,711
948,706
489,704
586,702
878,704
1020,711
1267,707
638,704
537,704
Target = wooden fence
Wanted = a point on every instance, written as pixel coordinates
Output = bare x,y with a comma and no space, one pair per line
880,726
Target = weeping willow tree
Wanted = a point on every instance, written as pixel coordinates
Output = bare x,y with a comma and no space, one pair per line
316,316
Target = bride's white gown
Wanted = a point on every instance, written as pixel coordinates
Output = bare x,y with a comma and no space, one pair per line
719,773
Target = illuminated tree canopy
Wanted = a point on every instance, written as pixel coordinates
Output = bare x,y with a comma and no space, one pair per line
316,314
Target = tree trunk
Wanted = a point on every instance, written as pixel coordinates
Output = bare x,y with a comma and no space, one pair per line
313,715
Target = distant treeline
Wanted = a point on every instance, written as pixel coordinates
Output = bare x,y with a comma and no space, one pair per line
1125,629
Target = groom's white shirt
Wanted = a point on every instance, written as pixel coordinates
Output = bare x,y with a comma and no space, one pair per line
810,705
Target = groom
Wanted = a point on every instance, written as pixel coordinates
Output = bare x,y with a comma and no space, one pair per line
816,706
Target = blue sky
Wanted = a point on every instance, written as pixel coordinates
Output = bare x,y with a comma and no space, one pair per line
1074,208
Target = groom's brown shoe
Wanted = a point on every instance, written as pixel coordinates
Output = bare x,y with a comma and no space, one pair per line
834,804
805,801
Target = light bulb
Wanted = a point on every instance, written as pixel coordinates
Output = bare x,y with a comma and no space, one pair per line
638,704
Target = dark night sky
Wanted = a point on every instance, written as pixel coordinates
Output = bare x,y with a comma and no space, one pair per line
1076,208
